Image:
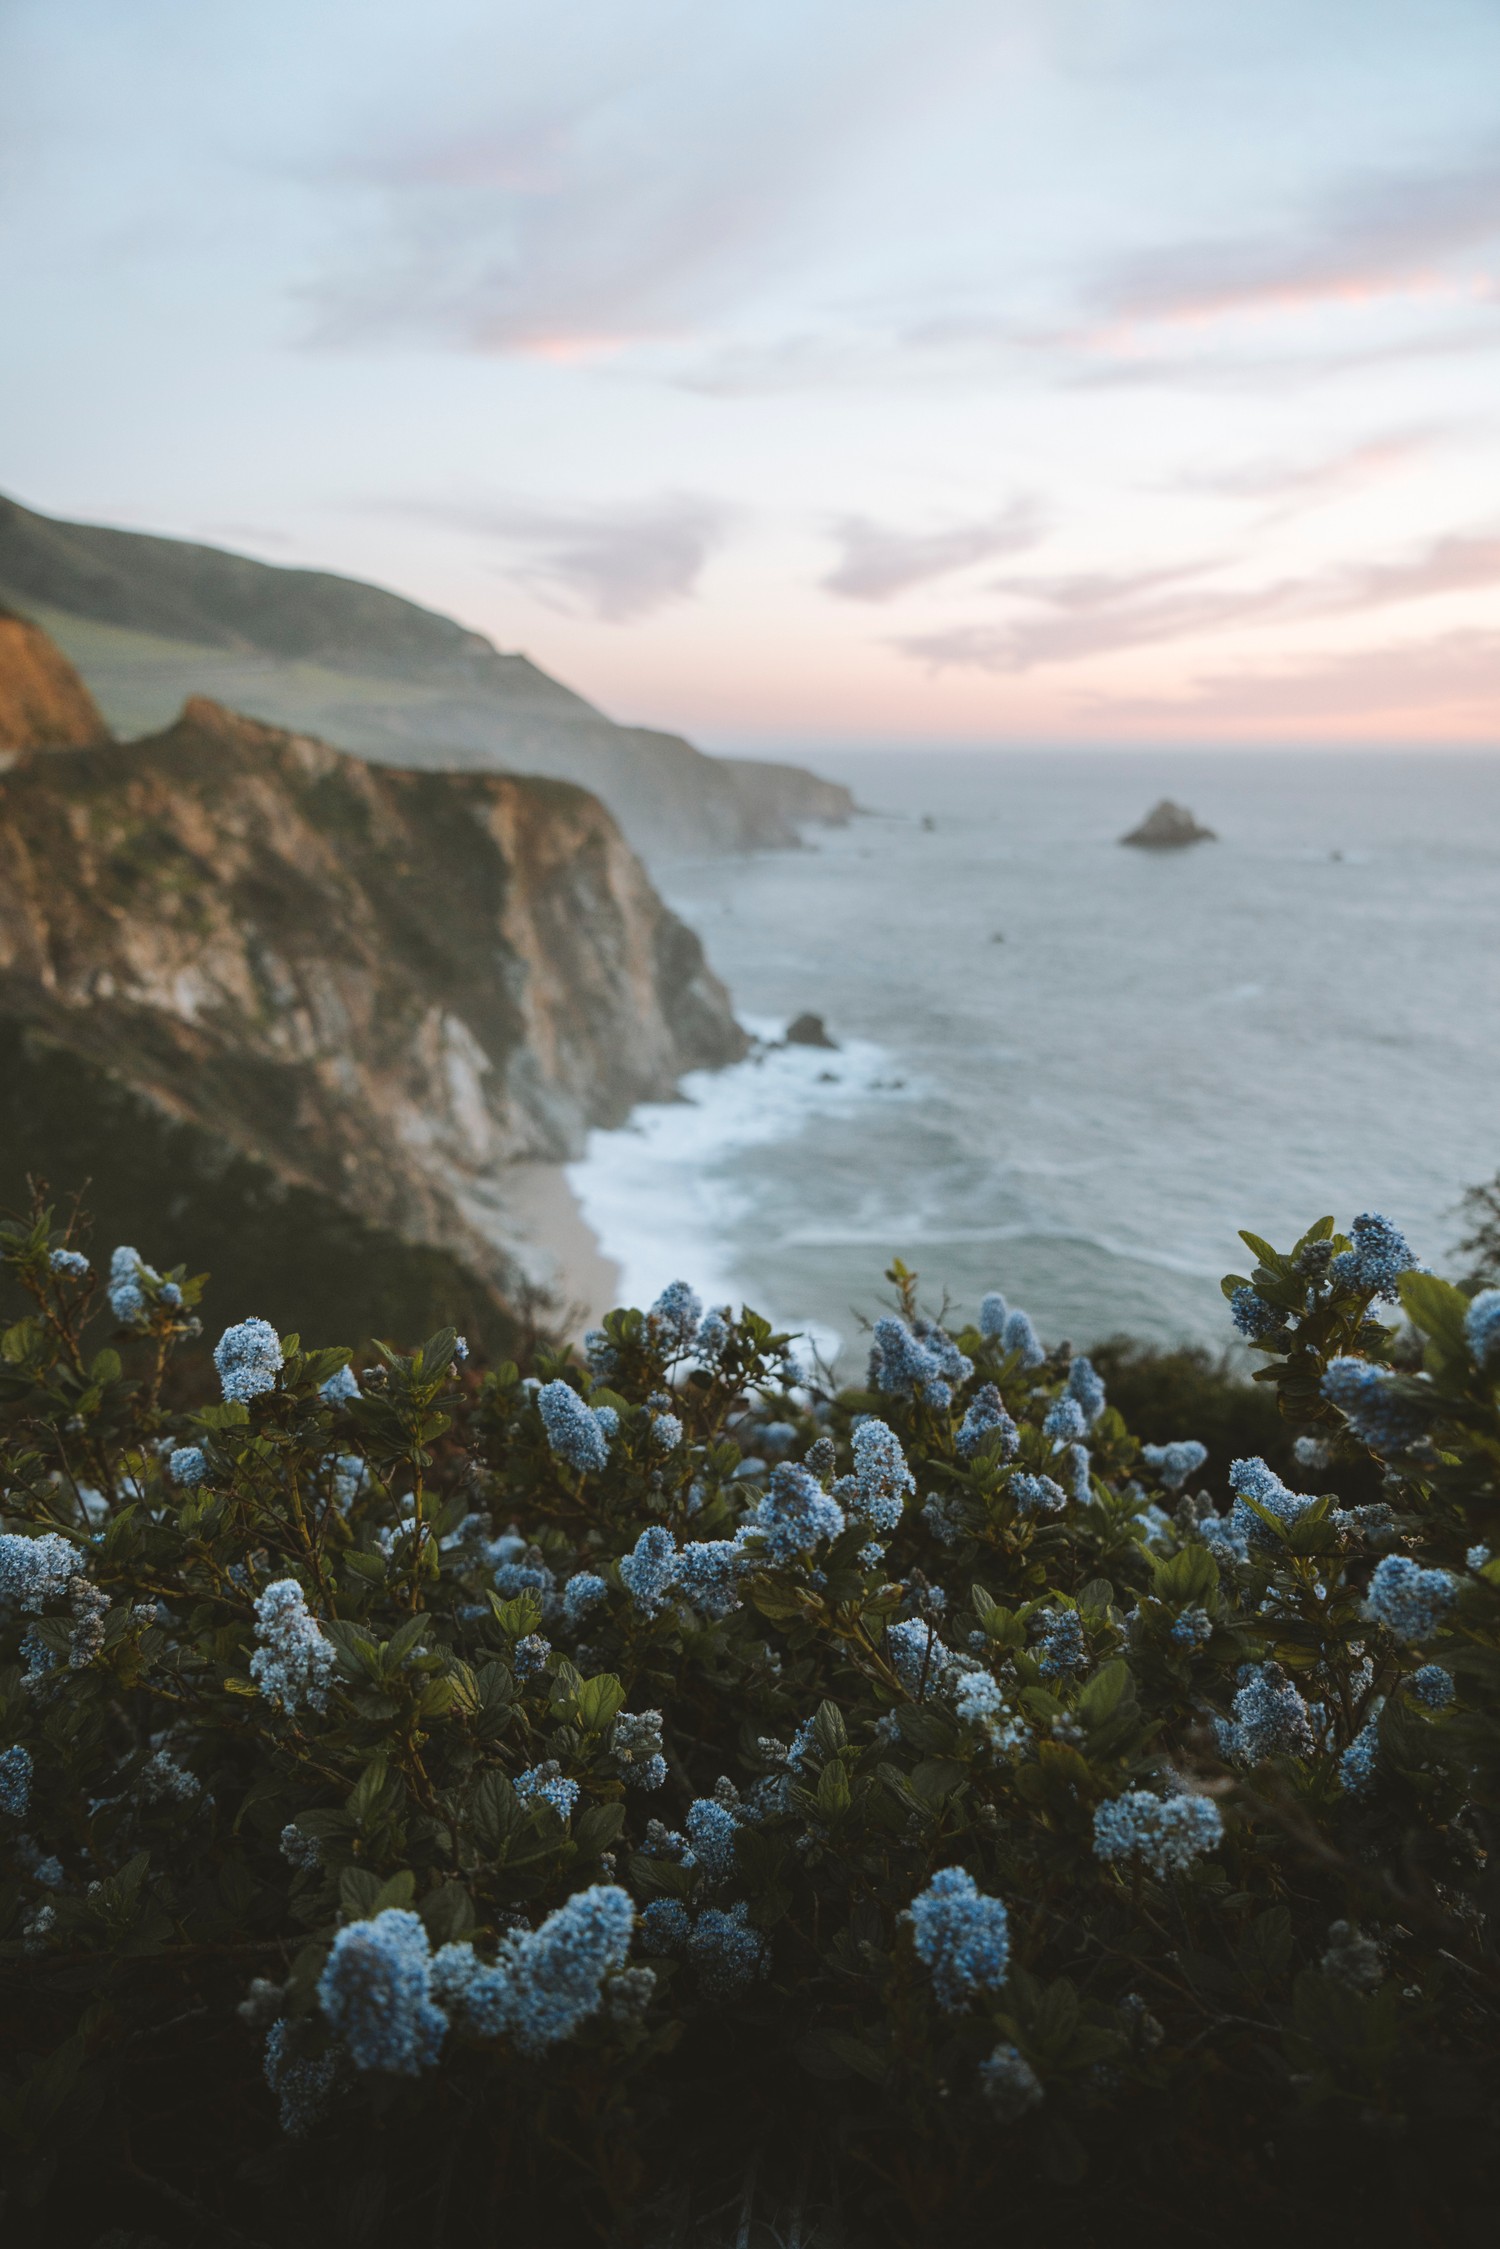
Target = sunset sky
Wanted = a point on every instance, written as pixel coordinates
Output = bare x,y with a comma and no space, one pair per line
787,371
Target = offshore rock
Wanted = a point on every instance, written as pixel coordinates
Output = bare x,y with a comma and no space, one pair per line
1168,827
809,1030
346,994
44,705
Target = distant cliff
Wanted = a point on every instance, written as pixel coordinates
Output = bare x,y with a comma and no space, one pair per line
150,621
43,702
324,1003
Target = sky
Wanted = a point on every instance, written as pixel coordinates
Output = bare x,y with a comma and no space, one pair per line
794,371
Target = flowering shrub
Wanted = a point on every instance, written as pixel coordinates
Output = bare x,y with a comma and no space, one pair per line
429,1790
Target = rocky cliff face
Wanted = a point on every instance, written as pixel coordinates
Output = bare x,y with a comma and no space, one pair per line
149,621
44,705
366,988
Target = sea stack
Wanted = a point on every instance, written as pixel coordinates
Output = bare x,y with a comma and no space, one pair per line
1167,827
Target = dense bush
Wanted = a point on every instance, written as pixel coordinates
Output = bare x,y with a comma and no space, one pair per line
442,1806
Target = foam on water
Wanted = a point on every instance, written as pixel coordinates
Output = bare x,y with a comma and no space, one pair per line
1296,1019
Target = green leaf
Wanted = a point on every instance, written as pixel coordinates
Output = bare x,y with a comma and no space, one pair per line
358,1890
399,1890
1438,1309
447,1914
1105,1691
597,1827
598,1701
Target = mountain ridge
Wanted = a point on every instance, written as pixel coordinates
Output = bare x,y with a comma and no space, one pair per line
149,621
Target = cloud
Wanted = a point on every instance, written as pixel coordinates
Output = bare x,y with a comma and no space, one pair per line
880,562
1295,484
1379,234
1456,674
618,564
1105,613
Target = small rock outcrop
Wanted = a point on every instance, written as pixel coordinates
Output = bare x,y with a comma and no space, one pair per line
1168,827
809,1030
44,705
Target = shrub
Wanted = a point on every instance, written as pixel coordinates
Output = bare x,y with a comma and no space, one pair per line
430,1796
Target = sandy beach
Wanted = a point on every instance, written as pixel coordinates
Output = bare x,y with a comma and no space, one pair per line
548,1235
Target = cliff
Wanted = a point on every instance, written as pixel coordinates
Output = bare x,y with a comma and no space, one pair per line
330,1001
44,705
149,621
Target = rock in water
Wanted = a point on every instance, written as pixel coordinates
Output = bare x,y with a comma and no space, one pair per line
1167,827
809,1030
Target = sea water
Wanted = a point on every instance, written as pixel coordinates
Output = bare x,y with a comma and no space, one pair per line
1070,1070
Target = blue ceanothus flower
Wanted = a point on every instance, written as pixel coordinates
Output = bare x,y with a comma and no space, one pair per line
1377,1260
248,1358
1482,1327
546,1784
574,1431
70,1263
376,1990
961,1937
1270,1718
651,1568
1165,1833
15,1780
127,1298
1252,1315
1064,1421
187,1465
546,1982
1009,2083
1432,1686
987,1419
1253,1480
917,1361
1375,1409
1174,1463
293,1663
713,1832
1085,1385
1020,1336
993,1313
728,1954
582,1594
675,1316
918,1657
341,1389
1411,1601
795,1513
882,1483
34,1571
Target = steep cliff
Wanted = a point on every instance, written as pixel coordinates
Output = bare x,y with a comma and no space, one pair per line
44,705
316,978
149,621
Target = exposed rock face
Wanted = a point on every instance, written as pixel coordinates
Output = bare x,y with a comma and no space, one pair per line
150,621
1167,827
373,988
44,705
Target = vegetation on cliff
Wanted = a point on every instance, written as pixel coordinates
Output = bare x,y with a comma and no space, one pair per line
448,1805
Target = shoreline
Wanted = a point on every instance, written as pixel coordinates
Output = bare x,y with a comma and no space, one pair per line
555,1246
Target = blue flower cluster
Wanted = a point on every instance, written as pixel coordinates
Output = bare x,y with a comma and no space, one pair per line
1252,1315
248,1358
728,1954
1253,1480
574,1431
1357,1765
709,1572
961,1937
917,1655
187,1465
919,1361
713,1832
15,1780
675,1316
1432,1686
795,1513
882,1483
545,1982
1037,1495
1376,1262
340,1389
1009,2083
127,1298
1020,1337
1410,1601
35,1570
1482,1327
1060,1643
70,1263
301,2082
582,1594
666,1432
1064,1420
1165,1833
1087,1387
986,1419
376,1990
294,1662
1374,1408
650,1569
636,1741
546,1784
1174,1463
1270,1717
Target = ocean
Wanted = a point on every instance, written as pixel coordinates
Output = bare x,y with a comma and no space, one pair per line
1069,1070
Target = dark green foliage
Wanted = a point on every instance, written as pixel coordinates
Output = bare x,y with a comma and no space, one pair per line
1291,2022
